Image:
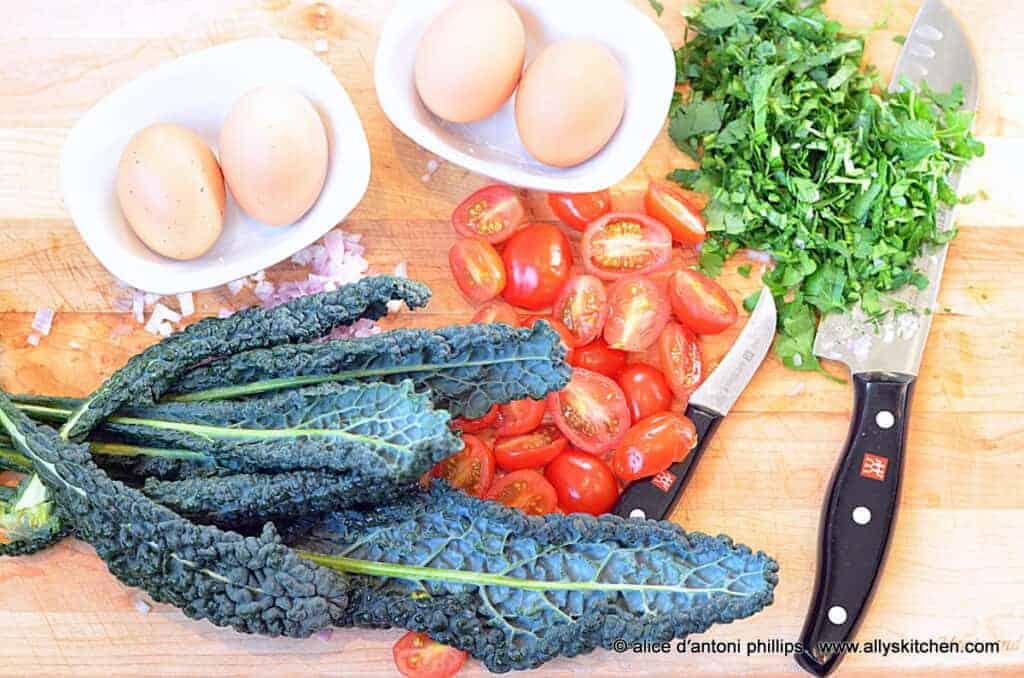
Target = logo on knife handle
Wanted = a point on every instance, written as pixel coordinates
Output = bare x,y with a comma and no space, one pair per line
664,480
874,467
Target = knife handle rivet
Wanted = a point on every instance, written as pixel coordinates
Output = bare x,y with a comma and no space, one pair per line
885,419
637,513
837,614
862,515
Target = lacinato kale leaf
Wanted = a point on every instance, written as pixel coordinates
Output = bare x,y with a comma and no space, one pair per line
466,369
515,591
29,520
148,375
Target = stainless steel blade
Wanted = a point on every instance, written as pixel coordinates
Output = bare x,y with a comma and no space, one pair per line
936,51
720,390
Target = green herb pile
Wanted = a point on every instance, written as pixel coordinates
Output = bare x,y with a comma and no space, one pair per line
805,156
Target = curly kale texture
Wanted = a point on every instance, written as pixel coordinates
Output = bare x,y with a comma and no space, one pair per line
29,520
148,375
466,369
253,584
515,591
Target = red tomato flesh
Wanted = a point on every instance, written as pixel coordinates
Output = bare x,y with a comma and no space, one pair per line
530,450
496,312
492,213
417,656
477,268
652,445
577,210
525,490
584,483
624,244
538,260
671,206
598,357
518,416
474,425
582,306
637,313
646,390
681,359
591,411
471,470
700,303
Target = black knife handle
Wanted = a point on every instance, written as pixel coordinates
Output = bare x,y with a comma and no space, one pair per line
657,496
858,517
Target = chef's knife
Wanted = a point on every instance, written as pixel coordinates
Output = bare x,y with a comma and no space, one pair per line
860,509
655,497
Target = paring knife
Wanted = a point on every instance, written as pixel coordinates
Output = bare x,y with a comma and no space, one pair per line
860,509
655,497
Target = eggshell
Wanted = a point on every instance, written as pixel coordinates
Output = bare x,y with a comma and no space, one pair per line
469,61
570,102
171,191
274,151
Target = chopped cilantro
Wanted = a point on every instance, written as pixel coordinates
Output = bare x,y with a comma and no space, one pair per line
744,270
657,6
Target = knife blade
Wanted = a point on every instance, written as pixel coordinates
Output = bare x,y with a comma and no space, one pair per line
884,359
710,403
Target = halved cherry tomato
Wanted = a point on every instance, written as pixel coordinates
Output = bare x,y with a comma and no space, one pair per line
492,213
496,312
637,312
583,482
518,416
652,445
646,390
577,210
538,260
471,470
531,450
474,425
624,244
671,206
525,490
700,303
591,411
598,357
417,656
681,359
582,306
477,268
568,341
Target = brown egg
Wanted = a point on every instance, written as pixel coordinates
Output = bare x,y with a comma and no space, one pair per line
273,148
171,191
570,102
469,61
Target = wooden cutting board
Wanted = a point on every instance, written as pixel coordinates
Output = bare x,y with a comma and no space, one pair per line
956,569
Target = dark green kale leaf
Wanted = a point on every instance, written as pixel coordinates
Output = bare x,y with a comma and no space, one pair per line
29,521
466,369
148,375
516,591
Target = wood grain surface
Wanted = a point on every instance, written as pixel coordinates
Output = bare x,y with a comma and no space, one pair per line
956,569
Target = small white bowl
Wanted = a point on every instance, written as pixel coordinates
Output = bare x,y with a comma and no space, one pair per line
491,147
197,91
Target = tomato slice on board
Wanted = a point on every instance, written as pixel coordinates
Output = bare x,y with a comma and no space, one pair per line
647,391
652,445
591,411
624,244
577,210
598,357
582,306
471,470
477,268
496,312
518,416
568,341
538,260
526,490
583,482
418,656
492,213
671,206
637,313
700,303
474,425
530,450
682,360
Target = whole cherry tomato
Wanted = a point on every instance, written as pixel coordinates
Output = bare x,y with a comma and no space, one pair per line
538,260
681,359
583,482
477,268
623,244
700,303
598,357
577,210
652,445
637,313
582,306
492,213
646,390
671,206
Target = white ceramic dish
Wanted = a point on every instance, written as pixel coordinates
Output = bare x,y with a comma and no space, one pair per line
197,91
492,147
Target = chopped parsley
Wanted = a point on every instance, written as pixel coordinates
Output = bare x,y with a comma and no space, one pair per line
657,6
